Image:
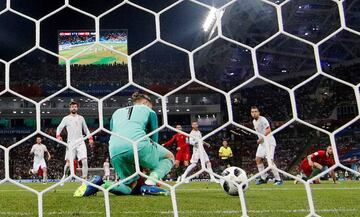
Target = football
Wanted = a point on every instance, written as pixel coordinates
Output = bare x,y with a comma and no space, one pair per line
234,174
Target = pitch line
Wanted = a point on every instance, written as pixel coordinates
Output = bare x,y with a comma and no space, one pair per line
212,189
226,212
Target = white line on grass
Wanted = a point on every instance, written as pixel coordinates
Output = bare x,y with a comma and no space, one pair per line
275,189
169,212
212,189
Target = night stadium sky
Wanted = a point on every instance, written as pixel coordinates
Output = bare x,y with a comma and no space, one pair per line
18,34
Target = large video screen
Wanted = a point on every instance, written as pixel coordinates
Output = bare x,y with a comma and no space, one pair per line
73,42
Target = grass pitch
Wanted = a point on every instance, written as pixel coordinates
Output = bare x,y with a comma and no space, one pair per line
201,199
95,55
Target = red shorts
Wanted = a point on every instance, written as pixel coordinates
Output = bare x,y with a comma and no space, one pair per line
40,172
183,155
306,168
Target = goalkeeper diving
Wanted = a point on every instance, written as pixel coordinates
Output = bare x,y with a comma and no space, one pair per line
133,123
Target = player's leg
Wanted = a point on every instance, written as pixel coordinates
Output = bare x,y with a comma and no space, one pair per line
68,154
178,170
186,163
66,168
185,158
208,166
124,167
107,175
315,172
34,170
259,159
193,161
158,160
227,163
45,171
278,181
81,153
305,170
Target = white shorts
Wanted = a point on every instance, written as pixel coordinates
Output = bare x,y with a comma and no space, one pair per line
107,173
196,157
39,164
78,151
262,151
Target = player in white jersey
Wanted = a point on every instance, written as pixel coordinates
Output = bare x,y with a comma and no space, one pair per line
106,169
39,151
195,133
75,126
262,126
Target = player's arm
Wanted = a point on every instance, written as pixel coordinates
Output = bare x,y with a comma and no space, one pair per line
32,150
231,154
311,160
193,142
60,128
207,144
48,153
87,131
171,141
111,124
267,131
154,125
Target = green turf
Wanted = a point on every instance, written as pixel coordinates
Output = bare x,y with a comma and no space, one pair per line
95,55
195,199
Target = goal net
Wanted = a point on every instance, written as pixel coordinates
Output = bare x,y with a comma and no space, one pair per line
213,62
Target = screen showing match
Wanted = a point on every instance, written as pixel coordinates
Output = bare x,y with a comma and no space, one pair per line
73,42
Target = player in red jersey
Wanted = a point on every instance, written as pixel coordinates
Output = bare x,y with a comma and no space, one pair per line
183,150
317,162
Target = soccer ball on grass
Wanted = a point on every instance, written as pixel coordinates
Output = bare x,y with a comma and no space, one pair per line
236,175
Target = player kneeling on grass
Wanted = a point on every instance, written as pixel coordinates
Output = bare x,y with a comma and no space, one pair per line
316,163
132,123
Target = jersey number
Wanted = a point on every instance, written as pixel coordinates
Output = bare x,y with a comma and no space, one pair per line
130,112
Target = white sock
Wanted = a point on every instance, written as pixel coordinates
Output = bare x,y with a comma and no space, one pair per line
45,177
276,174
208,166
65,170
84,168
261,167
188,170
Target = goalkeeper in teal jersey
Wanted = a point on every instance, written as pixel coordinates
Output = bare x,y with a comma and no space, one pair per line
134,123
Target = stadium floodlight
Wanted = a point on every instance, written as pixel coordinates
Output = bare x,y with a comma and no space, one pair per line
210,20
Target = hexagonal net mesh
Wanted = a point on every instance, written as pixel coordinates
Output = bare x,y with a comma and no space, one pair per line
244,49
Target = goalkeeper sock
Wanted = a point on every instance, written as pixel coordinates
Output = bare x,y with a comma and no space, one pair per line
84,168
121,189
261,167
188,170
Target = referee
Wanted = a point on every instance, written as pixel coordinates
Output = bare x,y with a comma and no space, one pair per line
225,153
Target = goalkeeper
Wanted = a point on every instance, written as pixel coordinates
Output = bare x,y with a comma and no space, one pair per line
132,123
